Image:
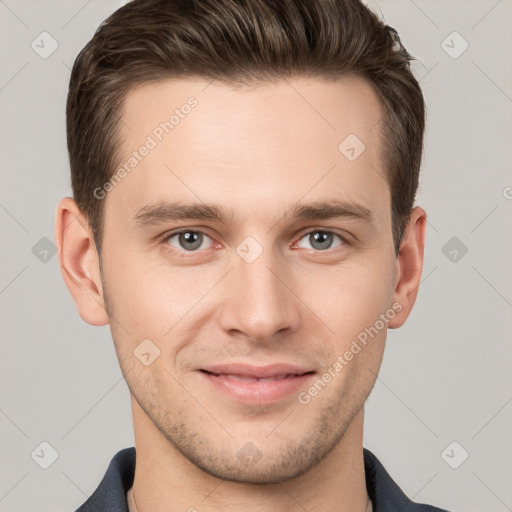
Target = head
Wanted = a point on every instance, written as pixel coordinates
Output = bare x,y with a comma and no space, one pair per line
268,117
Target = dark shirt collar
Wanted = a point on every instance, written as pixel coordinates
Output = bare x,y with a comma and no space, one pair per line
110,496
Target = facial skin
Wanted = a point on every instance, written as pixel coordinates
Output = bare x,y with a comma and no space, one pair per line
255,152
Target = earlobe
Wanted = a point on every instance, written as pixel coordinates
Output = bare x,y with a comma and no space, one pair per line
79,263
409,266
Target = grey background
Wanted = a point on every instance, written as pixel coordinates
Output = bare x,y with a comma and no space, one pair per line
446,374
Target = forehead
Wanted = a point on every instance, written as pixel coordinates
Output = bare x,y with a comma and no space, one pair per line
270,144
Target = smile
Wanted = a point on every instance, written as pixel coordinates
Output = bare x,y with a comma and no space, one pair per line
256,385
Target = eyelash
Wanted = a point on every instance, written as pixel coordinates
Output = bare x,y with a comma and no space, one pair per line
187,254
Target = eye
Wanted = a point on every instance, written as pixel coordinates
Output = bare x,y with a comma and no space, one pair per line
188,239
193,240
322,240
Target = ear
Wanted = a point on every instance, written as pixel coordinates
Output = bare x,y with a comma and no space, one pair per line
79,263
409,265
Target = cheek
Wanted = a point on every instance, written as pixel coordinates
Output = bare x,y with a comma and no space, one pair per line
352,298
353,306
155,296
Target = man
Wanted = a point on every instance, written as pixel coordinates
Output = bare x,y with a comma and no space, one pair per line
244,175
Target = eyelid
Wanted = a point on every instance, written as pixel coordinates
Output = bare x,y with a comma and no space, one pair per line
307,231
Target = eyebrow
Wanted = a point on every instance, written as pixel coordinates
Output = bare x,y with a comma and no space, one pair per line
161,212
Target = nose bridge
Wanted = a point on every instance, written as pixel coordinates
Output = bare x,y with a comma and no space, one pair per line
258,303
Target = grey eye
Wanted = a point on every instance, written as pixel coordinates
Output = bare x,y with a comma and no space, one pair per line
189,240
321,240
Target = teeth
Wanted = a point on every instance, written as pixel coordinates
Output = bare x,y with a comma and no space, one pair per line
240,377
276,377
255,379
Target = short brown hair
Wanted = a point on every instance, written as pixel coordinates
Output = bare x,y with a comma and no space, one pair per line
239,42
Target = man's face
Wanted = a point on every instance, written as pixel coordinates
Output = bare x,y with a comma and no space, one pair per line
263,289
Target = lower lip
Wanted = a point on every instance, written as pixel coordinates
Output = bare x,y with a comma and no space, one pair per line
257,392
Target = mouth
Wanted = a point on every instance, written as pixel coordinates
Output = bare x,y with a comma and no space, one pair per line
249,378
257,384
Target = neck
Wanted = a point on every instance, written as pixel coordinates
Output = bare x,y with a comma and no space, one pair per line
166,481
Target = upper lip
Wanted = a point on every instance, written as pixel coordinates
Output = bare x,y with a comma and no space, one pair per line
257,372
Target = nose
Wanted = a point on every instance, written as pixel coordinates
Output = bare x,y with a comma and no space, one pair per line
260,302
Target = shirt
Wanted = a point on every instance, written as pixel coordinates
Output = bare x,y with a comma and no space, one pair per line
112,493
